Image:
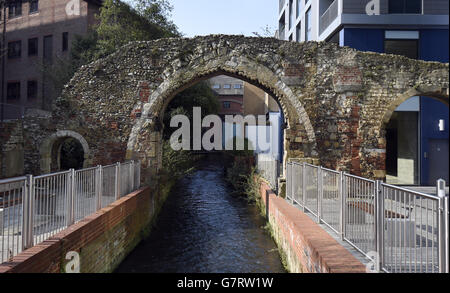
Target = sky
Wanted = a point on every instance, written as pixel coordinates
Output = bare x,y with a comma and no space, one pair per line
234,17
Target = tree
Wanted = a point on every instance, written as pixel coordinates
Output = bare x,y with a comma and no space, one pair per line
118,24
199,95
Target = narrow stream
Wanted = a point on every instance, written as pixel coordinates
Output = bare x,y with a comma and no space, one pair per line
202,228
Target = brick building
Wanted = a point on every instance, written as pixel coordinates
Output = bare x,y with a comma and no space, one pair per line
37,33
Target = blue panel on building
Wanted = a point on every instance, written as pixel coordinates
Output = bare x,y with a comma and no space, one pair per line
363,39
434,45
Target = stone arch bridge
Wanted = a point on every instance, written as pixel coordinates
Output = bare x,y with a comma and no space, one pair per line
336,100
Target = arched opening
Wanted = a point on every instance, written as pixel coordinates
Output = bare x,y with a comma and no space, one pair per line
71,155
228,97
64,150
417,142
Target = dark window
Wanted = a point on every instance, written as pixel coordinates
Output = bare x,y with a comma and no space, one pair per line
48,48
308,25
13,91
408,48
32,89
226,105
34,6
65,41
15,8
32,47
405,6
15,49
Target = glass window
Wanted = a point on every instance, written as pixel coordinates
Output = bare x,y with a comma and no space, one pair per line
65,41
299,7
32,47
13,91
227,86
237,86
308,25
291,13
32,89
15,8
216,86
226,105
407,48
14,49
405,6
34,6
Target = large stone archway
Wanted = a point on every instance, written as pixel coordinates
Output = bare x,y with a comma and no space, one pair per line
334,98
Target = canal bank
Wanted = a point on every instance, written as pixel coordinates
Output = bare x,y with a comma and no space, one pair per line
204,228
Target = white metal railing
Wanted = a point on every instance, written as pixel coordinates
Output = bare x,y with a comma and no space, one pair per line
400,230
34,208
329,16
268,168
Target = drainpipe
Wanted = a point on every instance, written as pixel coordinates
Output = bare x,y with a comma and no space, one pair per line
3,52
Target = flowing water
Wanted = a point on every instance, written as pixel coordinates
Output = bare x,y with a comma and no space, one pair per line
202,228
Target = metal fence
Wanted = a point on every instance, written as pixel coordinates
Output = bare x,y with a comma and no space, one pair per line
33,208
268,168
400,230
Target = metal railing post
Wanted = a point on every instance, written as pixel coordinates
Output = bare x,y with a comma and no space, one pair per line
319,193
71,203
379,224
304,186
342,208
27,213
98,187
443,228
117,183
291,179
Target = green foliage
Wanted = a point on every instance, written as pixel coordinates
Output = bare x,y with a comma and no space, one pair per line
246,152
176,164
118,24
237,175
199,95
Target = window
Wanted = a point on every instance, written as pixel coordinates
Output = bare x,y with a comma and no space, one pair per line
407,48
226,105
14,49
15,8
216,86
237,86
13,91
308,25
48,48
32,47
227,86
299,7
34,6
65,41
405,6
32,89
291,13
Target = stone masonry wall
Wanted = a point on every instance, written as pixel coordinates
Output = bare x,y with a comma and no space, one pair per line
336,100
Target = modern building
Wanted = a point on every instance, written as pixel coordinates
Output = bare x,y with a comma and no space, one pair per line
417,135
237,97
37,33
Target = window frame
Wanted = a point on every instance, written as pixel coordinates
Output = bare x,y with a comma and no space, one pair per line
30,6
28,90
226,105
37,46
8,83
17,56
14,7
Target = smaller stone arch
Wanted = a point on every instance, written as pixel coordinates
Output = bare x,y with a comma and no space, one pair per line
47,149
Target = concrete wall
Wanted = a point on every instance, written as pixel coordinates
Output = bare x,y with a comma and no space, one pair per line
306,246
102,240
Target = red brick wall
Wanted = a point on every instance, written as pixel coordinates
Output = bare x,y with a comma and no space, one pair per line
102,240
308,248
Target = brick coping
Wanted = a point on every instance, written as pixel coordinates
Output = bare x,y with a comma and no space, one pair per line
332,256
